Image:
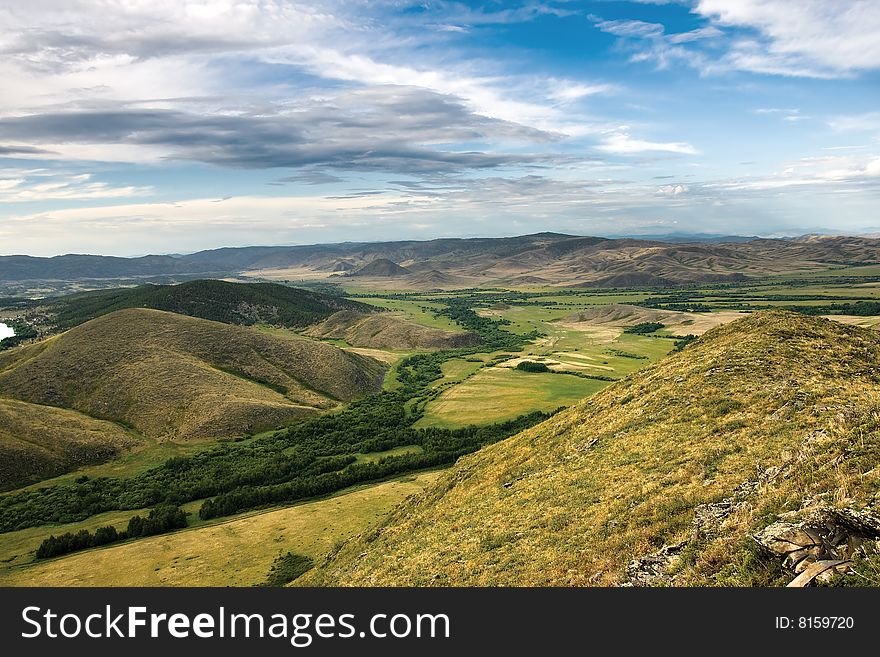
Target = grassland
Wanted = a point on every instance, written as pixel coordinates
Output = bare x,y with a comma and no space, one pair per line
176,377
497,394
492,391
38,442
418,311
387,331
661,477
777,411
238,551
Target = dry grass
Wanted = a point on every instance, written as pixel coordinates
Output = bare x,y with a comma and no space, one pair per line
573,500
176,377
37,442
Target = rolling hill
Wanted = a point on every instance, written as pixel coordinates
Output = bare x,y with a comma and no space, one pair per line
384,331
38,442
747,458
621,315
169,376
220,301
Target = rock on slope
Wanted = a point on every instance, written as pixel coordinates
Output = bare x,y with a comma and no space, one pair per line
666,476
384,331
172,376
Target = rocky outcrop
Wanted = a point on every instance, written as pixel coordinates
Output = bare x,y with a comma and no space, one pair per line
820,543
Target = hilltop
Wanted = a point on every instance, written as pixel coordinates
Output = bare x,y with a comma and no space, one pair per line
746,458
383,331
380,268
219,301
172,376
38,442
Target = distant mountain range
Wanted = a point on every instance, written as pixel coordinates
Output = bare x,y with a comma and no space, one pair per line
539,259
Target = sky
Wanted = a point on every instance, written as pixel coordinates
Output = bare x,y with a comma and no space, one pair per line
130,127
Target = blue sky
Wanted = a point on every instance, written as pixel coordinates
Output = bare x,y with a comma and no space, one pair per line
131,126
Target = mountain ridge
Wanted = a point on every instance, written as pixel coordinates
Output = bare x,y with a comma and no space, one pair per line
562,260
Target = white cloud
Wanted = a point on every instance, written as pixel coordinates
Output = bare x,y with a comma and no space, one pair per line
867,122
801,37
672,190
622,143
24,186
812,171
566,91
806,38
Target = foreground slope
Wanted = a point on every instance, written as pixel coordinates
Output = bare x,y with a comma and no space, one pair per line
38,442
665,476
171,376
384,331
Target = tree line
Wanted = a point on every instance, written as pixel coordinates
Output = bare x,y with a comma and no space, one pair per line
162,519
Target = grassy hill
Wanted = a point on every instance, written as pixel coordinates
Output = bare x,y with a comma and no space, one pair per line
219,301
171,376
384,331
38,442
706,468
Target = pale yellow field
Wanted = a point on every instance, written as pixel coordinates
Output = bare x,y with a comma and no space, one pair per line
235,552
856,320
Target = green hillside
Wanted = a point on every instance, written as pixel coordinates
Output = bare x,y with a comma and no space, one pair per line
38,442
174,377
759,440
219,301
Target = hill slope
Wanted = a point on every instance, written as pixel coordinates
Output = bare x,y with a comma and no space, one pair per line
170,376
380,268
387,332
38,442
665,476
219,301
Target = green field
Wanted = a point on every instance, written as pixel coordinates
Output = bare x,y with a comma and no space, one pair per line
236,551
497,394
416,310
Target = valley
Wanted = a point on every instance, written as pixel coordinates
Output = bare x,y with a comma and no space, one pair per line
258,406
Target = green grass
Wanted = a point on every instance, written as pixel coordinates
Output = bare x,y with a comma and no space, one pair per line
130,464
414,310
373,457
573,500
236,551
496,394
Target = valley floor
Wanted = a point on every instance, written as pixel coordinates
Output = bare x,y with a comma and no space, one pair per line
235,551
